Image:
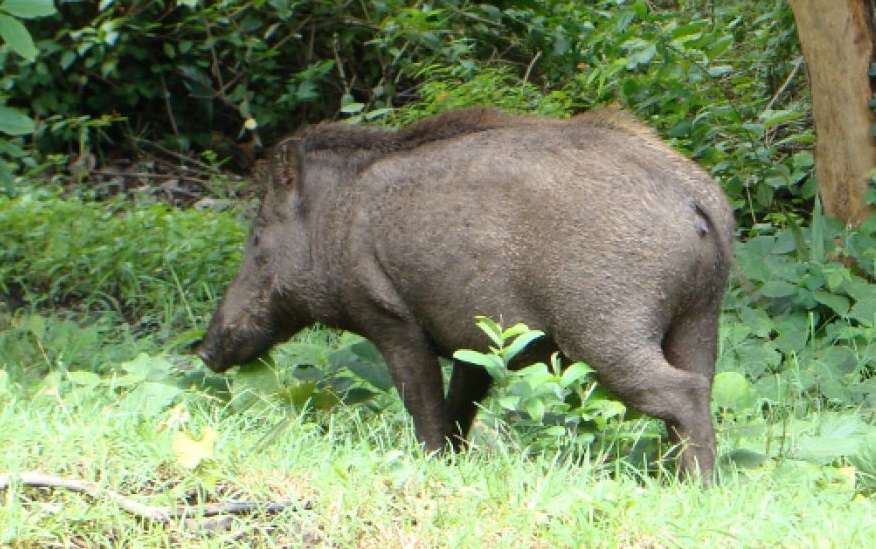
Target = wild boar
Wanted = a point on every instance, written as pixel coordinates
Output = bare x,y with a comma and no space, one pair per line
590,229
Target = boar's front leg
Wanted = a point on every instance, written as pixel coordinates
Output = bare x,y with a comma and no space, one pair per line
416,373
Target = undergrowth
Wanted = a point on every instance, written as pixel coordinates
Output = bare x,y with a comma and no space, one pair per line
157,268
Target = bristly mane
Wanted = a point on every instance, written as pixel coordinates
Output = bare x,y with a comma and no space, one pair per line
347,137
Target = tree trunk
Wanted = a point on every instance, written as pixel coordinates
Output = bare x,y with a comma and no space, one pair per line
837,38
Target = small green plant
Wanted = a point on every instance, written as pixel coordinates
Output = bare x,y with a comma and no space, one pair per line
317,371
548,401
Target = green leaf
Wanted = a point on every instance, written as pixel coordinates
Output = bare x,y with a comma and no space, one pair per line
778,288
28,9
10,149
87,379
67,59
13,32
36,324
575,373
731,390
519,343
300,394
535,375
639,52
835,279
859,289
364,360
509,402
774,118
14,122
358,395
535,408
688,32
352,108
258,375
864,311
491,328
757,321
514,331
254,381
492,363
557,431
838,303
838,435
6,177
747,459
150,398
147,367
474,357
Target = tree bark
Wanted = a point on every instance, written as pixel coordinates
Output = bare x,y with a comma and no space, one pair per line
837,38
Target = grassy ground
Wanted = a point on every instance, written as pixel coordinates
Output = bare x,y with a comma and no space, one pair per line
358,480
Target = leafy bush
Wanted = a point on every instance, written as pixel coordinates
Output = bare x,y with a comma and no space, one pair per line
810,325
185,72
13,122
232,75
698,74
543,403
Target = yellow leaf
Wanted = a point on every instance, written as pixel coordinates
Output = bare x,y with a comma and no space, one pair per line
189,451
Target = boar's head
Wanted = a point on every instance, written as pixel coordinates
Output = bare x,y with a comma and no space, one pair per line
260,307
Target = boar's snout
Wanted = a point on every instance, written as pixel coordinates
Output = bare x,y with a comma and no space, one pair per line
211,357
218,358
232,344
207,357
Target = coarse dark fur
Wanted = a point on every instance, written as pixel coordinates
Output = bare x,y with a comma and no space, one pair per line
590,229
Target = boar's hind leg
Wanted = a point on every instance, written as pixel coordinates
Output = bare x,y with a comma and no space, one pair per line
469,385
647,382
692,345
416,374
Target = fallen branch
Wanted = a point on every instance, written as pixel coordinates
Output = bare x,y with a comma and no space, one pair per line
165,515
797,64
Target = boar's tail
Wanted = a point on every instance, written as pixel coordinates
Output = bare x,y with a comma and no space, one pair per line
722,232
724,242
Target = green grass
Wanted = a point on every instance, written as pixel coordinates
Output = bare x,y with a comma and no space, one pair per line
369,486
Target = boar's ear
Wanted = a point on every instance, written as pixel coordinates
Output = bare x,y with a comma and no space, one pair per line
287,163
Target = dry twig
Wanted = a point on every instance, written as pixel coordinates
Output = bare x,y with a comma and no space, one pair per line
152,513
